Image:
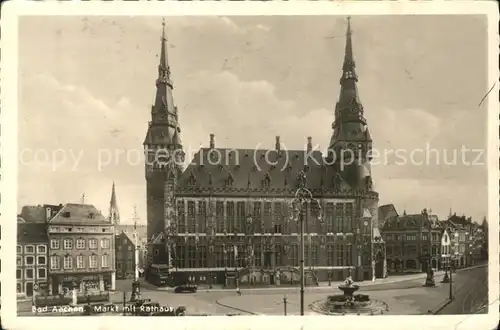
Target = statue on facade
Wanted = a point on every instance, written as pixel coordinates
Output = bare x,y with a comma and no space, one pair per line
368,183
302,179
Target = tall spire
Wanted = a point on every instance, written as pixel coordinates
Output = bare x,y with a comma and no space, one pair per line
164,114
349,97
164,101
114,213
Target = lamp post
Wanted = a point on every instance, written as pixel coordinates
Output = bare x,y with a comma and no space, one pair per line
451,276
429,280
302,197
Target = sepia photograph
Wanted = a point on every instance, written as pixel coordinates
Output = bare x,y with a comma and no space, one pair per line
244,164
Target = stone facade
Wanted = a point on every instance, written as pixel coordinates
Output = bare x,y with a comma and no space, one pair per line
81,250
229,217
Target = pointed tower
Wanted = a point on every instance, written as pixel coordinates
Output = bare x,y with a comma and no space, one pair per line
114,213
350,135
163,146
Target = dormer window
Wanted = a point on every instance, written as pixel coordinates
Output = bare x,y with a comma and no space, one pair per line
66,214
91,215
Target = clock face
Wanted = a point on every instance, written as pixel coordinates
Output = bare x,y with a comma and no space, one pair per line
366,223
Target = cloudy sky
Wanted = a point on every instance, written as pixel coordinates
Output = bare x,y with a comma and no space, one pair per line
87,85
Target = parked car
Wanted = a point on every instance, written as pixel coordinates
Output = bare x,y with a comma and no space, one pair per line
186,288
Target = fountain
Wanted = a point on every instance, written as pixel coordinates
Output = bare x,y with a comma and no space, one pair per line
349,302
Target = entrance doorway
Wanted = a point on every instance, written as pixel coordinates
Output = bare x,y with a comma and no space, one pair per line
29,289
267,259
379,266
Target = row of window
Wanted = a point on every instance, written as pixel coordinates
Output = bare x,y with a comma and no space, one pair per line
410,250
80,229
124,265
240,216
30,260
30,272
26,287
424,237
192,257
81,262
30,249
80,243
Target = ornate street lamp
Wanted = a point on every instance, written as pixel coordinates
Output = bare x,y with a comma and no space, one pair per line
302,197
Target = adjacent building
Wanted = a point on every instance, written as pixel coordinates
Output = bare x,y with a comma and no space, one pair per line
467,240
411,241
32,270
125,256
228,218
81,250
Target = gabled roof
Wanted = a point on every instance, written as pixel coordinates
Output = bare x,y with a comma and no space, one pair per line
157,238
366,213
412,221
83,214
129,229
32,233
460,220
234,170
128,236
33,213
385,210
38,213
376,235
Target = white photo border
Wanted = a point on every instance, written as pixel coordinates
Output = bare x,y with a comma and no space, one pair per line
11,11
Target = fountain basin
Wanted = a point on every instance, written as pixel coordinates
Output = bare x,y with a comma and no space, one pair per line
349,290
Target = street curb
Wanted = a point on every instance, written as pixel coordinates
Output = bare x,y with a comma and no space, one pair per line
235,308
440,307
436,310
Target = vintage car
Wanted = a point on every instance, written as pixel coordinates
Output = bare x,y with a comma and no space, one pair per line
186,288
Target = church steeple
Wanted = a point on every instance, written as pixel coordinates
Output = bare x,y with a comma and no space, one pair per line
164,116
114,213
350,131
350,124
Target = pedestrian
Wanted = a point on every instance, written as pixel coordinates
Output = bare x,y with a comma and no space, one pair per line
238,291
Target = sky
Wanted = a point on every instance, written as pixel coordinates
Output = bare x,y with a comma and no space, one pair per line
87,84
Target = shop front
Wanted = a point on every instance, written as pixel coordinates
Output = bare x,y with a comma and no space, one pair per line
82,283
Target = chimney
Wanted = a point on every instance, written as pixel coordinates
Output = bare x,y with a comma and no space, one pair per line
212,141
278,144
309,144
48,213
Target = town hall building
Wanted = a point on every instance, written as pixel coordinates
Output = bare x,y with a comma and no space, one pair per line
228,217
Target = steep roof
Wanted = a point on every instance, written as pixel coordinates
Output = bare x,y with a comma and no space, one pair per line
460,220
384,210
412,221
260,171
129,231
129,236
32,233
33,213
84,214
38,213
